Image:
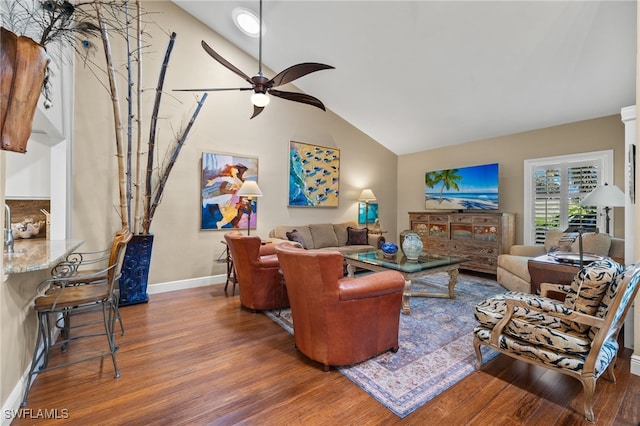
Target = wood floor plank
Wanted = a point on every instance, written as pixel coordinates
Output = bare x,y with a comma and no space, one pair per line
194,357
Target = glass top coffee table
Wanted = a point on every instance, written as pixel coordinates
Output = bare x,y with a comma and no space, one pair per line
374,260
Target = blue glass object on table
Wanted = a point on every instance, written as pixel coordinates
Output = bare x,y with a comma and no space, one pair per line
389,249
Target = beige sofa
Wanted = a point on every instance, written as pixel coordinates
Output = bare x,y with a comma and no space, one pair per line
327,236
513,269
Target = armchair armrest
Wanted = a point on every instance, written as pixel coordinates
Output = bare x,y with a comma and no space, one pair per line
546,306
267,249
527,251
372,285
547,288
275,241
269,261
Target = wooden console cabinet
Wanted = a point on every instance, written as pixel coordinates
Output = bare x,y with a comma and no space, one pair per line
479,236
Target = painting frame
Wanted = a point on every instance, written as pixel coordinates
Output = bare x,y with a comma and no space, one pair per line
463,188
372,213
314,175
221,176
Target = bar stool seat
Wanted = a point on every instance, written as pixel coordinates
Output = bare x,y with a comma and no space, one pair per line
61,296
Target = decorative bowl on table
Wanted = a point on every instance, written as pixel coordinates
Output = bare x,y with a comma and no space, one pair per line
389,250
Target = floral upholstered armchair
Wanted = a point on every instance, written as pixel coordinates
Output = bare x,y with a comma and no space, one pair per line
577,336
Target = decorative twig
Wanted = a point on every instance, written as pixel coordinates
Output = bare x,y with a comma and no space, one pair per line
129,176
174,156
115,101
146,221
136,209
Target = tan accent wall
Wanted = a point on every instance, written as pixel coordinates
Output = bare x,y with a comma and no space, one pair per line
181,250
510,152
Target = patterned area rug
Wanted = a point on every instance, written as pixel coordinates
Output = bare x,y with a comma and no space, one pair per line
436,349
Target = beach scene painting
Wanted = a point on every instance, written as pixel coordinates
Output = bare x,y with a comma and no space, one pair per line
314,175
464,188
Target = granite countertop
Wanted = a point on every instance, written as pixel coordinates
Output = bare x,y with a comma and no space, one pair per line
37,254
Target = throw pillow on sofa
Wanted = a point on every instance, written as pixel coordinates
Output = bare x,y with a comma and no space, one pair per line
296,237
357,237
599,244
323,235
557,240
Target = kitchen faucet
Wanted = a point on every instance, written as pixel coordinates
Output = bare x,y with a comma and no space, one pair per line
8,234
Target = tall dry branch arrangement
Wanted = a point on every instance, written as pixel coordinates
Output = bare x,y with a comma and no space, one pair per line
49,21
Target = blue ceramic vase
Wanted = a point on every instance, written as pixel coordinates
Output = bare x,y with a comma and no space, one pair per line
389,249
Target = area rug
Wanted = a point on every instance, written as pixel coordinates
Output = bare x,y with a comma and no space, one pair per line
436,349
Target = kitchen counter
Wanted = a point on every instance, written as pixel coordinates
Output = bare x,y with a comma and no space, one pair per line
37,254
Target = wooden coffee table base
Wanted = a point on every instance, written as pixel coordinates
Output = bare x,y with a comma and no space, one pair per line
409,291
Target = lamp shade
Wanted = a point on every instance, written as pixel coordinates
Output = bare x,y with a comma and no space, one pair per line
367,195
260,99
604,196
249,189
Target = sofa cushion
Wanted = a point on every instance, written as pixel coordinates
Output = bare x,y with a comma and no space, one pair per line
295,236
552,240
323,235
357,236
557,240
593,243
341,231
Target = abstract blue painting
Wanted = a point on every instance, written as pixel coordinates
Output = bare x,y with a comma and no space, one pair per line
314,175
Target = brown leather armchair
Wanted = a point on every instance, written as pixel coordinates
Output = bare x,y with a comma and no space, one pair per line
338,320
257,270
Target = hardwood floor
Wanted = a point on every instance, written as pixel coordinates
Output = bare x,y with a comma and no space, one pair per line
195,357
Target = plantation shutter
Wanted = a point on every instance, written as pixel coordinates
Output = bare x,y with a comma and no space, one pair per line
559,188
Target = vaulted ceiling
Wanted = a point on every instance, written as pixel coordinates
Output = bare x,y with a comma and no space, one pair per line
418,75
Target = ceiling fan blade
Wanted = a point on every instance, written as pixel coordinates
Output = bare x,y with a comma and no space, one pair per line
224,62
256,110
297,71
219,89
298,97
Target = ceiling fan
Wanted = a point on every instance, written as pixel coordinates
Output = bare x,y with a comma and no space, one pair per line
261,85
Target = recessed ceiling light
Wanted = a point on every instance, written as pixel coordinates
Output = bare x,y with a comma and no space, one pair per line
247,21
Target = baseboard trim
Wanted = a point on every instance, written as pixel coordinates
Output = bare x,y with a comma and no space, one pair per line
635,364
185,284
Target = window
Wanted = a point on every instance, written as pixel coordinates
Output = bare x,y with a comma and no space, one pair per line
554,187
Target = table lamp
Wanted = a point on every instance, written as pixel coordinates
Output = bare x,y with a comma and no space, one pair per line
250,190
367,196
606,196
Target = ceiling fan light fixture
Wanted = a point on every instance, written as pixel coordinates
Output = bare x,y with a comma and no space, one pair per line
247,21
260,100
